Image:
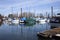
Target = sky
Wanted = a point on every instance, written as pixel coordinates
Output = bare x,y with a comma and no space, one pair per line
35,6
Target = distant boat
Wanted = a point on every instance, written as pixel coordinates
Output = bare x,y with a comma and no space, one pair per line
30,20
42,20
1,22
55,19
15,21
22,20
37,19
1,18
9,20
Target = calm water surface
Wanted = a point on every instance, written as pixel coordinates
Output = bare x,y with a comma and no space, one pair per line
21,31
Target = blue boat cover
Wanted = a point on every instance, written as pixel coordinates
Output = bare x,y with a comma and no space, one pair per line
23,19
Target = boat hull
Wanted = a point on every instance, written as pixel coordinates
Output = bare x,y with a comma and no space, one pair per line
15,21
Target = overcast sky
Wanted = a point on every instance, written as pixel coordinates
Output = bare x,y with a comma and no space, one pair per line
37,6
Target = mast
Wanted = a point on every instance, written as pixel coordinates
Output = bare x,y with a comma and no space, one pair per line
46,15
52,11
21,12
12,10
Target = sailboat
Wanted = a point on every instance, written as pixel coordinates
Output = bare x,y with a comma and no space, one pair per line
22,20
15,21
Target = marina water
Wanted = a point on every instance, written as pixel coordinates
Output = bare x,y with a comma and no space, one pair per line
22,31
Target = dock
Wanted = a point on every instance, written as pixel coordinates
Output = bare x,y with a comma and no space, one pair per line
50,33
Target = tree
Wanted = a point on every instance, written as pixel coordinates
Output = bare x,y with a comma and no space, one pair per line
10,15
41,15
0,14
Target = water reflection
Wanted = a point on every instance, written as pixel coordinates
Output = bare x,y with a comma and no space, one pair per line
46,38
54,25
30,24
21,24
1,23
22,31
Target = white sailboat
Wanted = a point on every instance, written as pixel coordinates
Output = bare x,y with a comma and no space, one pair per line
9,20
42,20
22,20
15,21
